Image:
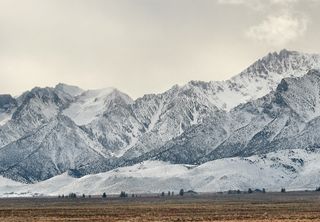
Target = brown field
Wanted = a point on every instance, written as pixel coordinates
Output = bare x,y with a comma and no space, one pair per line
290,206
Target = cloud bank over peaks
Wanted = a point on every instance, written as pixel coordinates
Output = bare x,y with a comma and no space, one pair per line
282,20
278,30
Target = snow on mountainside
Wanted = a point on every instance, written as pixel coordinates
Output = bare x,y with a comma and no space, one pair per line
52,149
258,79
284,119
176,111
187,124
293,169
34,109
154,120
92,104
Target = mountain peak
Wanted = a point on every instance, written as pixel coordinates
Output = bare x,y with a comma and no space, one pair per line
7,102
69,89
285,62
280,55
285,52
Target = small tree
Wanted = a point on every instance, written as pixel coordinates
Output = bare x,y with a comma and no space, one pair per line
83,196
250,190
263,190
238,192
181,193
162,194
132,195
283,190
104,195
123,194
169,193
72,195
172,193
318,189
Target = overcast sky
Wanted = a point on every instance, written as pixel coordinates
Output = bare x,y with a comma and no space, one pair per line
145,46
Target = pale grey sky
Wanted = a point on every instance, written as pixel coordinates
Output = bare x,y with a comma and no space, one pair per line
145,46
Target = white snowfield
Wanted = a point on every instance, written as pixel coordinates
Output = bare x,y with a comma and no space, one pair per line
296,169
92,104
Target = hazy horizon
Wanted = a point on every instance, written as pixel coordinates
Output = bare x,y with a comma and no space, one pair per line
145,46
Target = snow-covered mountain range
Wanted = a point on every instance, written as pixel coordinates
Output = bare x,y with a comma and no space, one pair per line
272,105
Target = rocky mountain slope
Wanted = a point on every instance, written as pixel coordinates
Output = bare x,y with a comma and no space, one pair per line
47,131
52,149
157,119
283,119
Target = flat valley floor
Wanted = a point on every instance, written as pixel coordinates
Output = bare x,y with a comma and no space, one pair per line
290,206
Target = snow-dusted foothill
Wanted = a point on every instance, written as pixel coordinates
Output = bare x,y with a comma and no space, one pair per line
291,169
